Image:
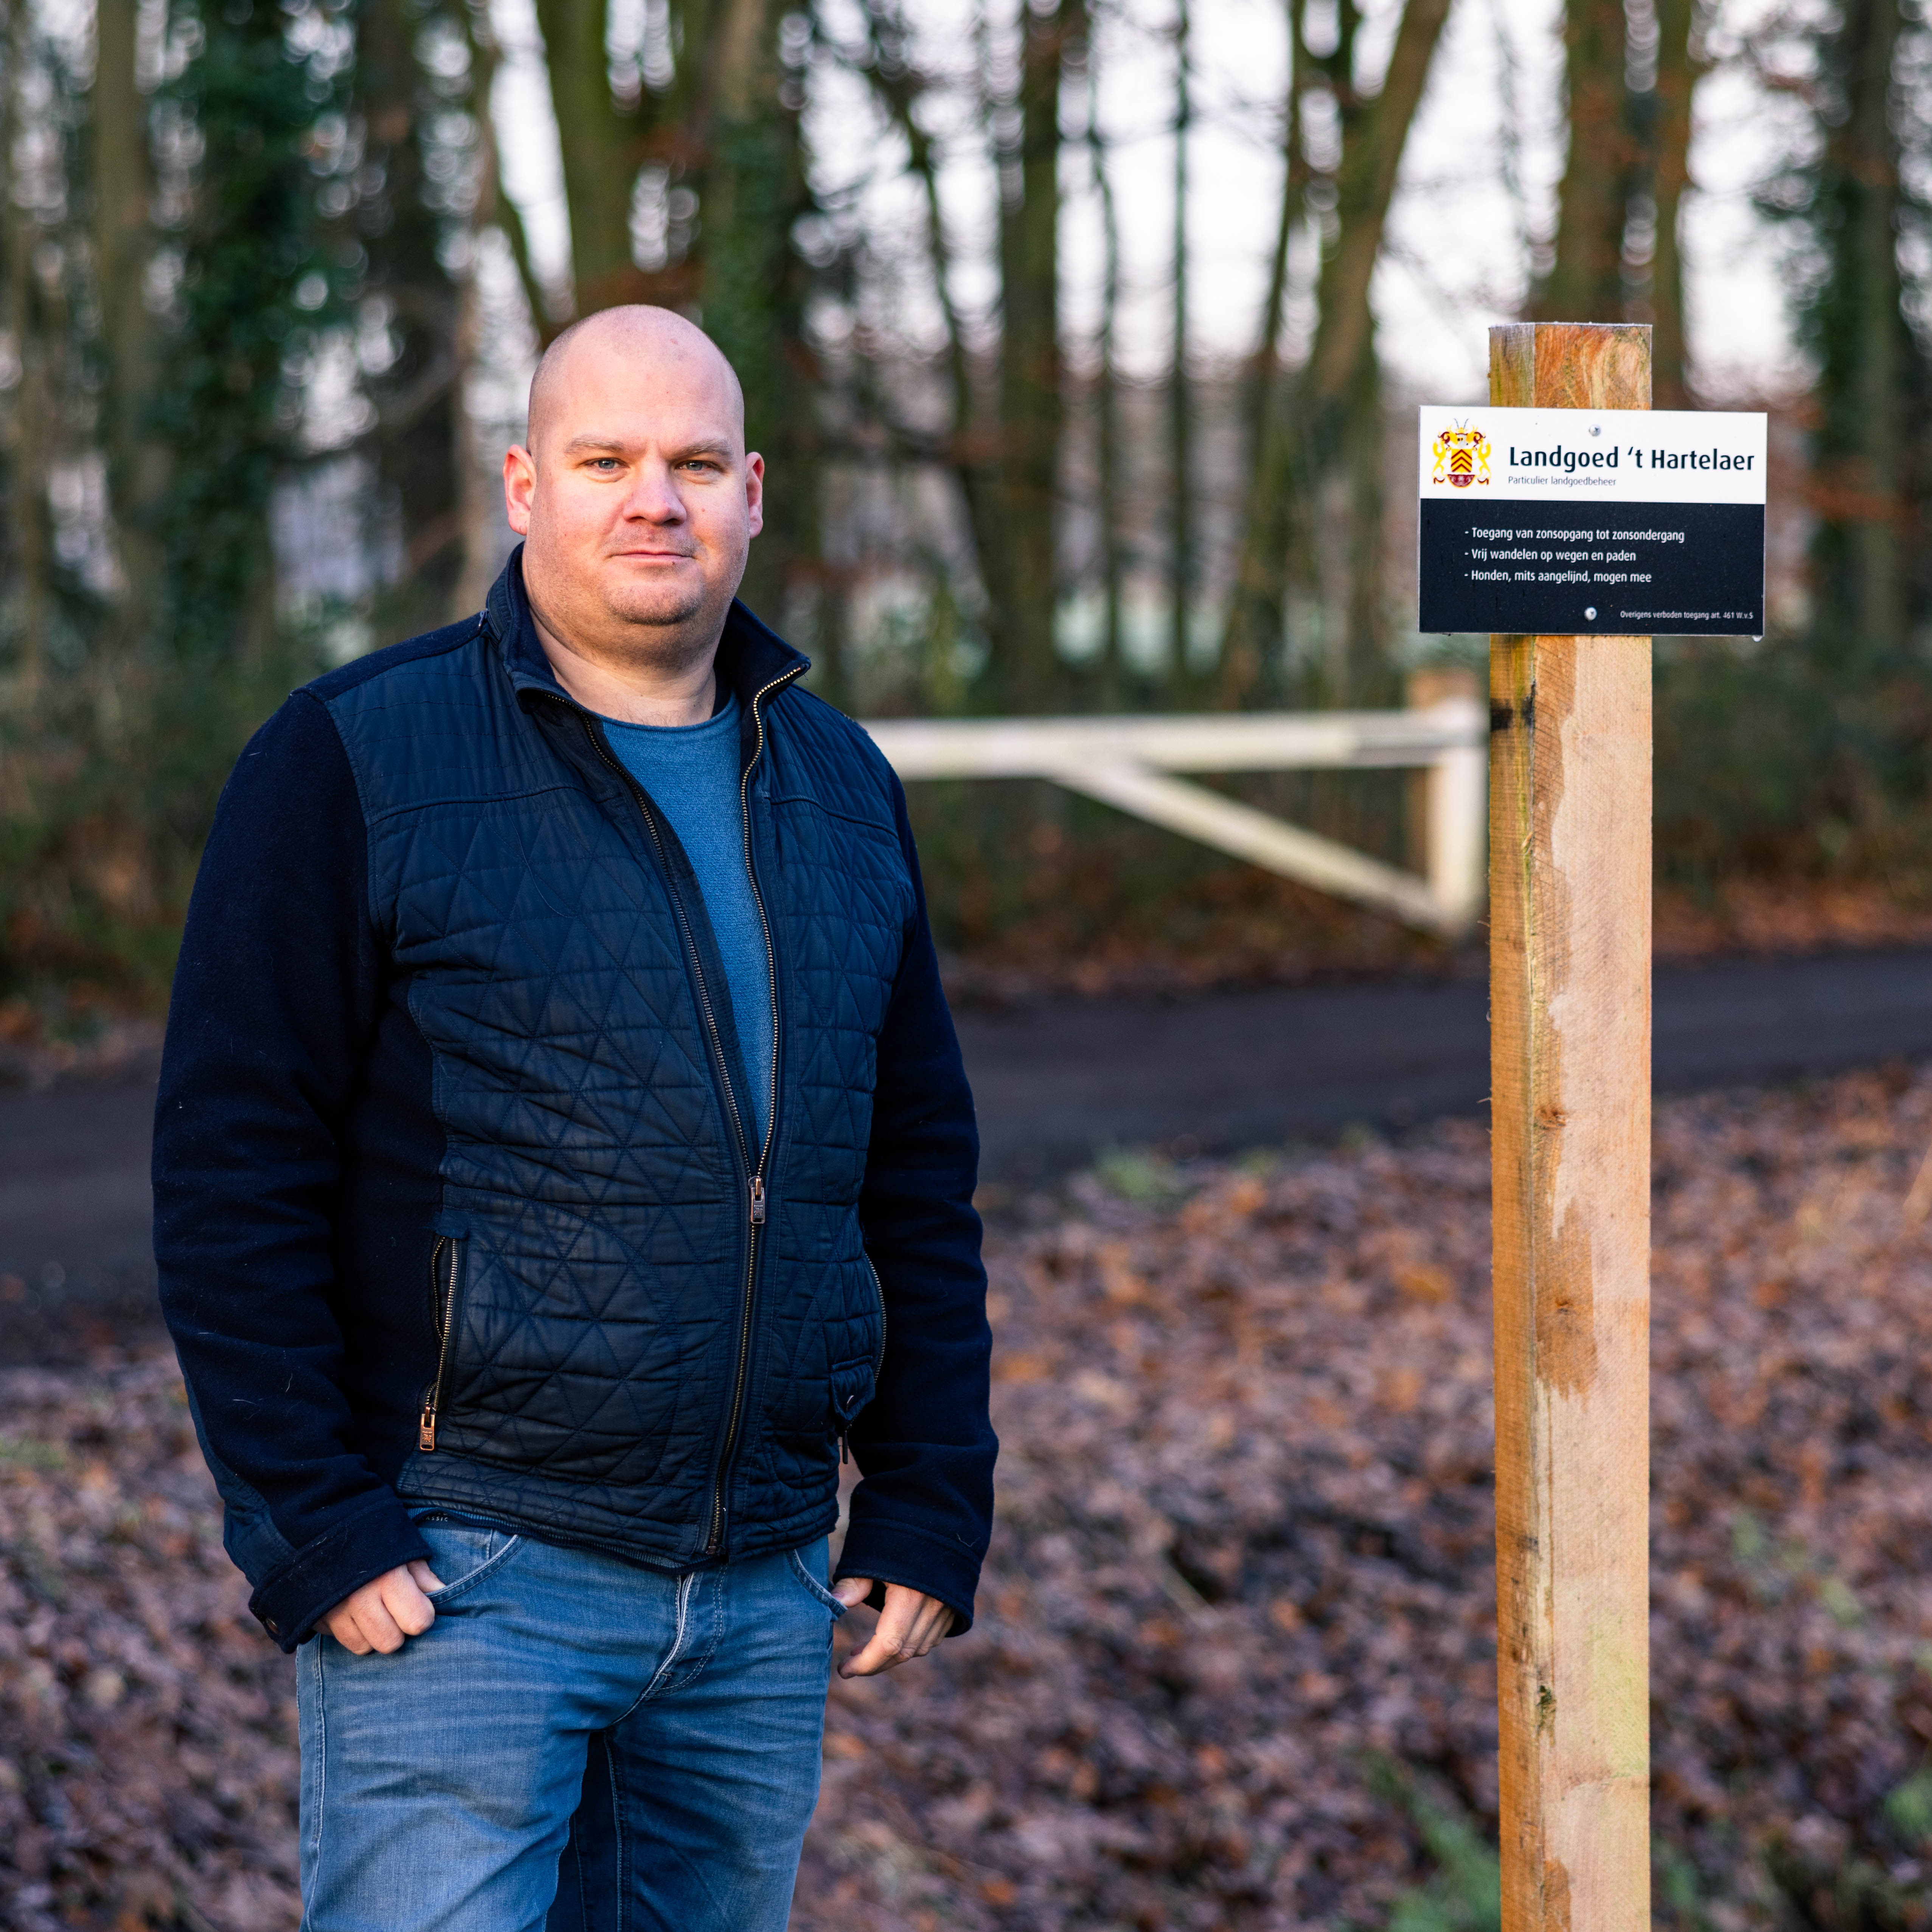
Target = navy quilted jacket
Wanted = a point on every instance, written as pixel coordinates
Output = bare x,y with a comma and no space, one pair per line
458,1197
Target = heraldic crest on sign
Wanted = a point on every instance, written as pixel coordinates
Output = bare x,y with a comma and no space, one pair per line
1461,456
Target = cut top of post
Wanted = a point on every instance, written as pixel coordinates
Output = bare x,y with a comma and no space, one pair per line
1569,365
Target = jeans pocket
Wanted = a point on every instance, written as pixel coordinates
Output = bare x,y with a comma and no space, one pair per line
462,1553
821,1593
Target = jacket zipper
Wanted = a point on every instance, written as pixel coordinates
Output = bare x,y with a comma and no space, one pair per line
714,1542
443,1284
755,1189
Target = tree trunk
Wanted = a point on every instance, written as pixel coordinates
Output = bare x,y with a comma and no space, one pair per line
30,448
1586,283
485,58
419,419
1108,452
969,448
607,135
1330,411
1677,72
602,141
1253,632
1031,406
123,245
1367,676
32,545
1310,424
753,293
1872,161
1365,185
1864,349
221,402
479,501
1343,405
1179,396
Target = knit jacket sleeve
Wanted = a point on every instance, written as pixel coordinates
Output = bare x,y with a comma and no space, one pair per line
277,995
925,1445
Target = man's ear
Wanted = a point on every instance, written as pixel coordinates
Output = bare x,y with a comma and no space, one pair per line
520,484
754,490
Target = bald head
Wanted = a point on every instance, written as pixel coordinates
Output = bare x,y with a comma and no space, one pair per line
651,347
637,500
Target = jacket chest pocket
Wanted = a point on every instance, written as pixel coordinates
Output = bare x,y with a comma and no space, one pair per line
446,1276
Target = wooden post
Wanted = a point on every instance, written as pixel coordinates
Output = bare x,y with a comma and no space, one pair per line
1569,813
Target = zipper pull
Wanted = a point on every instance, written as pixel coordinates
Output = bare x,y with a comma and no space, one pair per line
757,1201
426,1428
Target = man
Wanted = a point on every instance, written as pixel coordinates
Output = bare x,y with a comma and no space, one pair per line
562,1158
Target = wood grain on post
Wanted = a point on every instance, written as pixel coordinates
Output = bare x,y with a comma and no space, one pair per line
1570,816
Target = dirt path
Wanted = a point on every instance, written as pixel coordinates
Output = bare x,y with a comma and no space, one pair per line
1055,1082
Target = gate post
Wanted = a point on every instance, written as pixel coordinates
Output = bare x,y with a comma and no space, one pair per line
1448,801
1570,889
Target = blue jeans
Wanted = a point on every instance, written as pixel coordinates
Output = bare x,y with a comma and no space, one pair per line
576,1744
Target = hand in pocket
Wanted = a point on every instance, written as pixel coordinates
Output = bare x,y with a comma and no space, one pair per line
384,1614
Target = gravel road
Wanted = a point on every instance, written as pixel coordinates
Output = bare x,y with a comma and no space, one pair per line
1055,1080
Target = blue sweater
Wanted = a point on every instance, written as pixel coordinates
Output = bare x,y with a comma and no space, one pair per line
692,774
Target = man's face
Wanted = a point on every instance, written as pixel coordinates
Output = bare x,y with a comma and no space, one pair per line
636,499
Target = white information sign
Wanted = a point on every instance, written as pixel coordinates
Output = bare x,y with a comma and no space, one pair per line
1563,521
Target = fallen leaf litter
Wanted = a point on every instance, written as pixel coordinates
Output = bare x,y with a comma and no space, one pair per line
1243,1568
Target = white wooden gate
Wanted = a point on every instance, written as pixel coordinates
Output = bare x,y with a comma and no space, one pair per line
1130,763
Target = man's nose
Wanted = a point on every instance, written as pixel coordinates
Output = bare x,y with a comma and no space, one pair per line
654,495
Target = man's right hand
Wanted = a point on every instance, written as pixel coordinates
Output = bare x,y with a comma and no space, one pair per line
382,1615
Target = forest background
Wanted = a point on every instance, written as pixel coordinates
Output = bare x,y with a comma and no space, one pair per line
273,274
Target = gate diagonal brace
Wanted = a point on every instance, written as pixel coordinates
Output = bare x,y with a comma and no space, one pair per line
1259,837
1130,763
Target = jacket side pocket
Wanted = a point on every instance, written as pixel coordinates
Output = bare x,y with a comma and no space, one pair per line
878,1295
852,1386
446,1260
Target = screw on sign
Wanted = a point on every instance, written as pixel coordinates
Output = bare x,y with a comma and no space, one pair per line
1586,529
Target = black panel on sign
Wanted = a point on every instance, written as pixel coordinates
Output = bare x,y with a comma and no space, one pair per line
1662,569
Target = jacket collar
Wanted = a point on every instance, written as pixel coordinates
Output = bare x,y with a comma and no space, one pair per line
752,657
